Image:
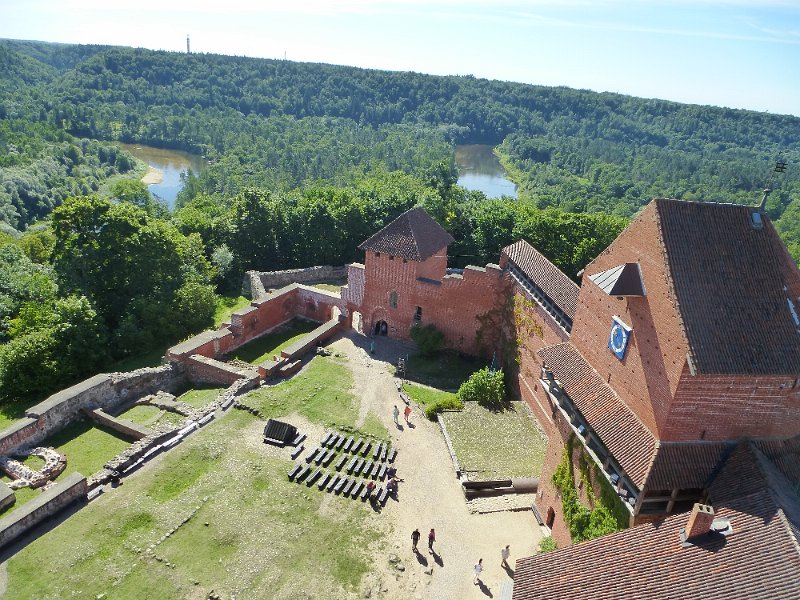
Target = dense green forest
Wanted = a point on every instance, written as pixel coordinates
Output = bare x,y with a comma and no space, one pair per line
305,162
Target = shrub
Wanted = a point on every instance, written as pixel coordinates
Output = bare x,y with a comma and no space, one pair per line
452,403
547,544
484,387
429,340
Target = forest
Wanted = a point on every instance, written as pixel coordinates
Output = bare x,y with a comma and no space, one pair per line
93,269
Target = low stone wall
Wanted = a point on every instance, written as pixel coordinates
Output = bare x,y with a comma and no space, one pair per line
128,429
256,283
106,391
48,503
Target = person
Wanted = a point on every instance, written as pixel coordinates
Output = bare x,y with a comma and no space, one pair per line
431,539
396,414
415,540
407,412
391,487
370,489
504,554
478,570
391,471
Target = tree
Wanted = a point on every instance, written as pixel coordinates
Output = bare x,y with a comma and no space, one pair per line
428,338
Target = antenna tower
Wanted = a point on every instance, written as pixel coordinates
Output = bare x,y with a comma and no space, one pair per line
780,167
187,44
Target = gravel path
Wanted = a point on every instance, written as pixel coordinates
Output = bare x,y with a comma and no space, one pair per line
429,497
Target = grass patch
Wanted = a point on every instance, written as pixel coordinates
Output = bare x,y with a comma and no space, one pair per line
141,414
496,445
267,539
373,426
271,344
86,447
321,393
331,286
23,495
199,397
446,370
226,306
424,395
151,358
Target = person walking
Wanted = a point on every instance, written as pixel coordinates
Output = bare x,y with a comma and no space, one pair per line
431,539
478,570
415,535
396,414
407,413
504,554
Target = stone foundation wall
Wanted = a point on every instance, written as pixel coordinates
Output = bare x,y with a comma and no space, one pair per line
106,391
48,503
256,283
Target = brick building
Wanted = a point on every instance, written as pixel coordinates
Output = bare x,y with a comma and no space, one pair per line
681,345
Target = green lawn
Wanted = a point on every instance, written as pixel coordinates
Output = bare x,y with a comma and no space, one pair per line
226,306
424,395
269,345
22,495
141,414
496,445
446,371
86,446
334,286
199,397
254,534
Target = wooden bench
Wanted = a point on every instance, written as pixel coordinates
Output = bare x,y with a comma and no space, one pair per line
320,456
342,482
329,458
359,465
297,451
340,462
305,470
327,438
294,471
357,446
332,483
352,465
377,451
382,472
313,477
312,454
301,437
349,443
364,493
323,481
356,488
383,495
384,452
392,455
367,469
332,440
341,442
375,470
366,448
348,486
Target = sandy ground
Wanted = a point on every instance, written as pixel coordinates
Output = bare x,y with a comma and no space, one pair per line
152,176
430,497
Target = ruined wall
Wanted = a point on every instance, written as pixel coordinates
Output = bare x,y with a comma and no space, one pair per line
256,283
70,489
106,391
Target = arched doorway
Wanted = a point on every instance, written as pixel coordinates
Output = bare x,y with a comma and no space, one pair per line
381,328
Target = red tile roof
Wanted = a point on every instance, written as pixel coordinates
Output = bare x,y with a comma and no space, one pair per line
760,559
558,287
414,235
686,464
734,284
625,436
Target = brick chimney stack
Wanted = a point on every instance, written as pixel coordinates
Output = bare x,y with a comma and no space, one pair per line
700,520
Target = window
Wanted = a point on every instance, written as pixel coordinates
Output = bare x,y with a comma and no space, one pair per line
393,299
418,314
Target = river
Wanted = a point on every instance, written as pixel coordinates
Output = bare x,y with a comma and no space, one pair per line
479,169
166,166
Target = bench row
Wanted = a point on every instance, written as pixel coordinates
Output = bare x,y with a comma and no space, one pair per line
357,466
337,483
340,441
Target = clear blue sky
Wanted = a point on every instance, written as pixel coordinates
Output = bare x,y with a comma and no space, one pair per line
736,53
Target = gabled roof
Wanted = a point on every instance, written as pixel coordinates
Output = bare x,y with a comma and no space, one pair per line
622,280
686,464
414,235
759,559
736,288
561,290
625,436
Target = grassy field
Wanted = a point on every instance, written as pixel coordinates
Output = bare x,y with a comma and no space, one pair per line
331,286
226,306
266,346
496,445
446,371
199,397
251,532
424,395
86,446
142,414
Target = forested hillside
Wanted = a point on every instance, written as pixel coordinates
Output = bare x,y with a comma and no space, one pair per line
306,161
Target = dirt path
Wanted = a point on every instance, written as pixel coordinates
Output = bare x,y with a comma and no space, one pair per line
429,497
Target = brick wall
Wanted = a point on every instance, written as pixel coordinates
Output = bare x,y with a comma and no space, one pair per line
450,302
648,376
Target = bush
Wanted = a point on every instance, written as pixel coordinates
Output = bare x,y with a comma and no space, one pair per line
429,340
547,544
452,403
484,387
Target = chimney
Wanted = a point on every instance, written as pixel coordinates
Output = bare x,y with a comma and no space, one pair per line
700,520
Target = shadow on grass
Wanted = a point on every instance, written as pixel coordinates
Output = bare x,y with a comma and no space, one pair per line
446,370
264,347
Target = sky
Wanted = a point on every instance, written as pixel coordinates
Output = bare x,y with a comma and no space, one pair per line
734,53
